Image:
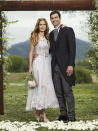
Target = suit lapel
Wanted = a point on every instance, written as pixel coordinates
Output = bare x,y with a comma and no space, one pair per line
52,36
55,43
58,37
59,34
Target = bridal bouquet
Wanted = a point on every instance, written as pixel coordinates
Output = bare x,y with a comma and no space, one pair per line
31,81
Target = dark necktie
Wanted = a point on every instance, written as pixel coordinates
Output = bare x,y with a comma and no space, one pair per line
55,34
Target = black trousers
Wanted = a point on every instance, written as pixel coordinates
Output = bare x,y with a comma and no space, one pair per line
64,93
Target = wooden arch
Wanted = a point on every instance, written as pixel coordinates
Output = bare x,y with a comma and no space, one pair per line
36,5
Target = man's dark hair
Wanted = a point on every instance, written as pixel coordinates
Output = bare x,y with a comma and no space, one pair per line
55,12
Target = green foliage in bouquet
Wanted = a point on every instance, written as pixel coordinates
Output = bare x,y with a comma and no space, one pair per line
31,78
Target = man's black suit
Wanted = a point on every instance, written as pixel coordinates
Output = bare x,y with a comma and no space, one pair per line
63,55
63,50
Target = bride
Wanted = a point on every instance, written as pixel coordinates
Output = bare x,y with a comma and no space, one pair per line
43,96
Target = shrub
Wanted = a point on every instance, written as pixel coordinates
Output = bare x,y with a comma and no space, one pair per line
82,75
17,64
84,63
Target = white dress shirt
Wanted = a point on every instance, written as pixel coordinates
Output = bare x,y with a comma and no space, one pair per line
58,27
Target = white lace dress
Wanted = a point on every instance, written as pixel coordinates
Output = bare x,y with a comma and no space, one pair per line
43,96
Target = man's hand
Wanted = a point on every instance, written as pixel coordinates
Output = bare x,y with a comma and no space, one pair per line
35,55
69,70
63,25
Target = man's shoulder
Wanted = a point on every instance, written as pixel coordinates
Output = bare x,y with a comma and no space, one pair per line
67,28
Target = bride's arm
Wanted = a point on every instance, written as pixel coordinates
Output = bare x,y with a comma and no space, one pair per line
31,57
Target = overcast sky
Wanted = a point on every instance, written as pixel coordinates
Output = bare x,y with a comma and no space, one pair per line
20,31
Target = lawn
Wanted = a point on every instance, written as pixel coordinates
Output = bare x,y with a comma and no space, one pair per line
86,101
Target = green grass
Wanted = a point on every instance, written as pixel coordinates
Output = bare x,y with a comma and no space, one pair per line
86,101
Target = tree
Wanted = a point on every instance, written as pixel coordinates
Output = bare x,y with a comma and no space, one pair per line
5,47
93,36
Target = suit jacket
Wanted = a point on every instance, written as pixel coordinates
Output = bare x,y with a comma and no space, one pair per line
63,50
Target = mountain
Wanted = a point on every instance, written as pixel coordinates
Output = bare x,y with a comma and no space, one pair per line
82,47
22,49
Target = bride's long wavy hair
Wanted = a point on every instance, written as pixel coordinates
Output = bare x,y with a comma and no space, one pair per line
34,34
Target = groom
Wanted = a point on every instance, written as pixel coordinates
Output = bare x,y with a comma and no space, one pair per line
62,49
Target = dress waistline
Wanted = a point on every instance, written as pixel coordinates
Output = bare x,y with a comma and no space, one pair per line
43,54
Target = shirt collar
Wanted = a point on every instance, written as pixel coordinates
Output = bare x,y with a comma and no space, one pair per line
58,27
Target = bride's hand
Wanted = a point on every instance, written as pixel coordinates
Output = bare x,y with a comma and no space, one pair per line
63,25
35,55
30,71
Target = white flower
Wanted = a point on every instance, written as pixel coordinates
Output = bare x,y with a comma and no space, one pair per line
31,83
58,125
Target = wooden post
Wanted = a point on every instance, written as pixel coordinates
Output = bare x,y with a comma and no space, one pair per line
1,70
37,5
